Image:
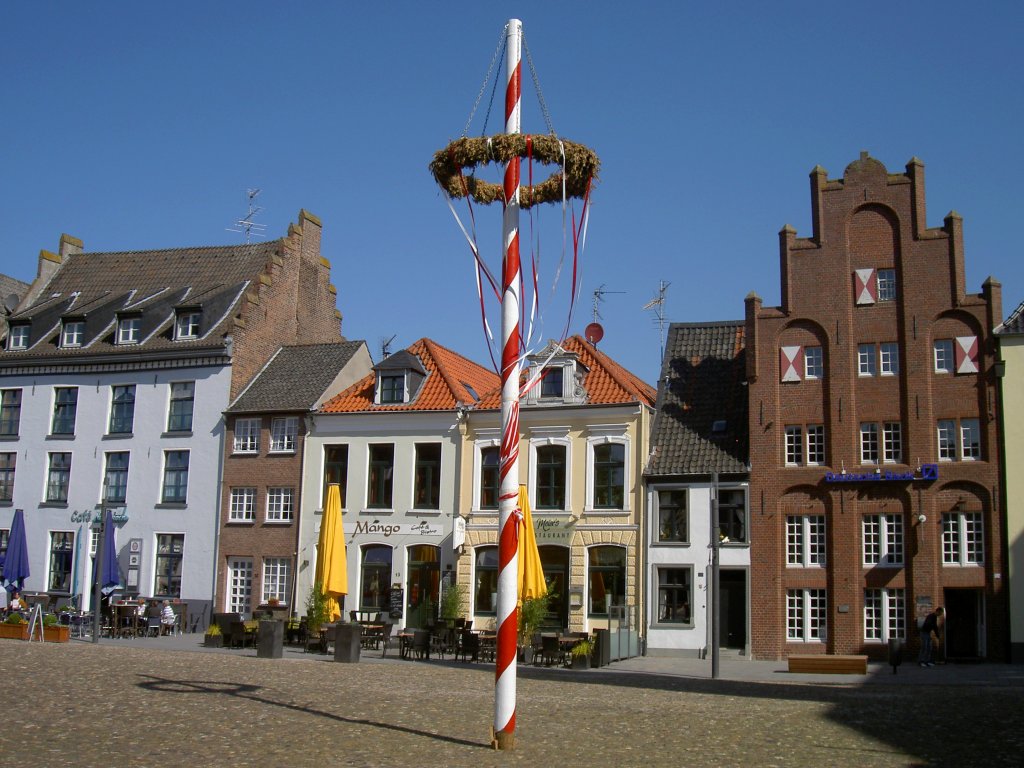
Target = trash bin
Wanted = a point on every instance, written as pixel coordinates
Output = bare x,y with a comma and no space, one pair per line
270,640
346,641
895,653
602,655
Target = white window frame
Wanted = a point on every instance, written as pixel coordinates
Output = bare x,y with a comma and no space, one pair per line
866,363
186,325
276,579
806,614
239,587
129,330
806,544
17,337
541,436
970,450
280,504
815,444
885,614
946,439
794,445
886,282
888,358
882,540
942,351
478,464
284,434
247,435
378,394
814,363
892,442
242,505
869,443
963,539
602,435
72,333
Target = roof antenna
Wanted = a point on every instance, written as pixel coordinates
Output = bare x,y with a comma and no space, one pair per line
657,304
599,294
385,347
246,224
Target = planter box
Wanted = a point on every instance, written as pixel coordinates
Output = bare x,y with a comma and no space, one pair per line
57,634
14,631
213,641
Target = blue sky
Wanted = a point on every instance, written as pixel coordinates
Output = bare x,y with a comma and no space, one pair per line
140,125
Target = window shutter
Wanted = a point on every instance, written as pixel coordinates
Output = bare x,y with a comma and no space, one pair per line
966,354
791,363
865,285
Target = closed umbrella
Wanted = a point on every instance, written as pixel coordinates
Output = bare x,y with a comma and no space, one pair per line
16,563
331,560
110,573
530,572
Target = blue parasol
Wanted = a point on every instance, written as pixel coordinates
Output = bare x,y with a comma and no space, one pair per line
110,573
16,563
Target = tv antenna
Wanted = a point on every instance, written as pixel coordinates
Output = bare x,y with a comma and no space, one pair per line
246,224
385,346
657,305
599,294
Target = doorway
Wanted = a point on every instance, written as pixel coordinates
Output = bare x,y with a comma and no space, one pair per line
964,632
732,630
422,589
555,562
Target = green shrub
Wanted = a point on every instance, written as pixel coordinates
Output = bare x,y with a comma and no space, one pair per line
15,618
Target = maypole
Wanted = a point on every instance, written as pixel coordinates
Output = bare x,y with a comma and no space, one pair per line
508,546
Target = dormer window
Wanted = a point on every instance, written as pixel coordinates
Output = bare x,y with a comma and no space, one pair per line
129,330
551,384
72,333
392,389
186,325
556,377
17,337
398,379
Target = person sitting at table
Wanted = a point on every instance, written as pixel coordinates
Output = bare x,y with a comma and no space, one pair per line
167,617
153,611
140,611
15,602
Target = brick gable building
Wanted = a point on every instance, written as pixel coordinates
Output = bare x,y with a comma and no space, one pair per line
873,433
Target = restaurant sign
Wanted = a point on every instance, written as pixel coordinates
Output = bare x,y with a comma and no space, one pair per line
93,516
386,530
925,472
550,530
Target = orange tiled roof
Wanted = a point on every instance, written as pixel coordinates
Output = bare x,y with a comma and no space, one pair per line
606,383
443,389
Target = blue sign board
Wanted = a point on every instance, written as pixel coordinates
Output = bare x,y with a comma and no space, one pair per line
926,472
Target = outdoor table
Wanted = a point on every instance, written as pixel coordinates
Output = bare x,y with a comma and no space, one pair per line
488,646
404,643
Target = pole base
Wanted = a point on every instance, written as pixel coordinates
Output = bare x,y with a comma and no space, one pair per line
503,740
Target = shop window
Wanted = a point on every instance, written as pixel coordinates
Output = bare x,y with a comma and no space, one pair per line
675,596
170,551
485,587
62,557
606,576
375,577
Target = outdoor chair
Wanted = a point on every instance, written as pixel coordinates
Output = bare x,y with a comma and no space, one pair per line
152,626
386,637
550,650
421,643
469,646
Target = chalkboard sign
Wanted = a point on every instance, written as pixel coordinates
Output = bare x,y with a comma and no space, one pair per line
395,603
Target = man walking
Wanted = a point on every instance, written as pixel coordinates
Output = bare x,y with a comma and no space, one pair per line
930,625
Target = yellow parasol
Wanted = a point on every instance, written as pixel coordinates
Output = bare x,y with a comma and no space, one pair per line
530,572
331,560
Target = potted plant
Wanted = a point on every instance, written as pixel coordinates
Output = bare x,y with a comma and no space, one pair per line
213,637
14,627
453,600
316,608
54,631
531,616
581,653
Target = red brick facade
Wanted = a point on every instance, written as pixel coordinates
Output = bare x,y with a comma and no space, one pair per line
873,220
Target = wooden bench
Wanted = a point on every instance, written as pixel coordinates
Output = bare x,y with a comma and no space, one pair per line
838,664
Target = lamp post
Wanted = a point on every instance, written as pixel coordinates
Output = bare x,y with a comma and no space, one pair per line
101,553
715,593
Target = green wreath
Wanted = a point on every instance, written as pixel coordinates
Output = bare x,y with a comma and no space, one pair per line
581,165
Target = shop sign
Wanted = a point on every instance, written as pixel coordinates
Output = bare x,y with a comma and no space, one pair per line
925,472
386,530
549,530
93,517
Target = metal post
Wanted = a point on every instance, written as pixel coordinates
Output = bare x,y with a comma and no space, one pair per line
715,594
505,668
97,575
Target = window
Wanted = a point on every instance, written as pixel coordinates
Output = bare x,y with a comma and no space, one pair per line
551,383
5,534
427,488
947,440
885,614
243,505
485,581
62,558
805,541
65,407
17,337
186,325
10,412
116,477
732,515
892,442
794,446
970,439
283,432
551,467
673,519
122,409
280,505
607,579
7,466
129,330
247,436
170,549
275,579
944,356
675,596
882,537
72,333
58,478
814,367
392,389
815,444
179,414
868,443
889,358
382,468
968,442
887,285
489,477
240,585
609,475
866,360
805,615
336,469
963,538
175,488
375,578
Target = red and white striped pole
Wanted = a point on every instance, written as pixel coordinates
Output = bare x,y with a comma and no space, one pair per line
508,554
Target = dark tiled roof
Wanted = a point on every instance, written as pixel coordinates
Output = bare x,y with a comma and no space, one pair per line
1014,324
9,285
701,384
98,287
295,377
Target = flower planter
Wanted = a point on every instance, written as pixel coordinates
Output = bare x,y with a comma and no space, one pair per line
57,634
14,631
213,641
